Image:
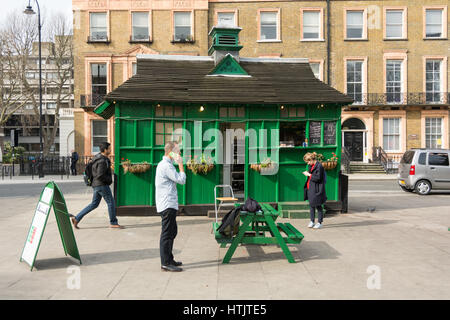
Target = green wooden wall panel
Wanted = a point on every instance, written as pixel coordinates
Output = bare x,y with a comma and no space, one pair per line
127,129
291,182
261,187
135,189
143,133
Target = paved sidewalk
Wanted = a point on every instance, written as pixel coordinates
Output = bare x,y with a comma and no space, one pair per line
371,177
405,239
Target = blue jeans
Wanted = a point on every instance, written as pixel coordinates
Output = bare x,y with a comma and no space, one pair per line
99,193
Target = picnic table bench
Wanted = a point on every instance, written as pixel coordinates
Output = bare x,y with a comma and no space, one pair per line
260,228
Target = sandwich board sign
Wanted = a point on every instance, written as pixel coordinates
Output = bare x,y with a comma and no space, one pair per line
51,196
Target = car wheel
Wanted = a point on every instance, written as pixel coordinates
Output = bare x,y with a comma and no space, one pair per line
423,187
406,189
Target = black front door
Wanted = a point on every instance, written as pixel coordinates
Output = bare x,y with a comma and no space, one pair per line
354,143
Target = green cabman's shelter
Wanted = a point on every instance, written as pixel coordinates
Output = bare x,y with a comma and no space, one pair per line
250,120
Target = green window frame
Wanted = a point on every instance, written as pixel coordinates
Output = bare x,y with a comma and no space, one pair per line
164,132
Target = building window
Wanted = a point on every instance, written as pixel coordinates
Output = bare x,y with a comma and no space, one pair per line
99,134
434,23
133,68
164,132
315,67
98,26
98,80
433,81
311,25
355,24
182,26
268,26
227,19
391,134
433,132
140,23
355,80
394,24
394,81
51,105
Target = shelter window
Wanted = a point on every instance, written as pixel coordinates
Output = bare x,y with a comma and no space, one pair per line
168,111
167,131
292,112
232,112
292,134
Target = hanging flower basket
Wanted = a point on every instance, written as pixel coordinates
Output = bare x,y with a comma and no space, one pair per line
202,166
139,167
329,165
264,167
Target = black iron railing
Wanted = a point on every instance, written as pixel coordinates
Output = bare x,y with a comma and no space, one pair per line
345,160
399,98
389,162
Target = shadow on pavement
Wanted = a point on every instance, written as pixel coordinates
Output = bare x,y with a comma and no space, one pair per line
358,224
100,258
149,225
307,250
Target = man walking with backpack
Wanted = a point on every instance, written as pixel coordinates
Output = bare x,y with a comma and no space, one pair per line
100,181
166,195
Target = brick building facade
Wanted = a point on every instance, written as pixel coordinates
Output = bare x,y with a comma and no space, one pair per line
392,59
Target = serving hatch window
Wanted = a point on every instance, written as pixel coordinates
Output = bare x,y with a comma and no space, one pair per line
292,134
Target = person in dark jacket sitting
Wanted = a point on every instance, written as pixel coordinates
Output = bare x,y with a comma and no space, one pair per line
102,179
314,189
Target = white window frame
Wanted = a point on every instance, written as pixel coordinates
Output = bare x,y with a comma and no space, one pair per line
443,9
148,26
92,134
106,13
320,24
404,25
399,134
233,12
191,26
278,14
434,134
320,63
364,25
441,75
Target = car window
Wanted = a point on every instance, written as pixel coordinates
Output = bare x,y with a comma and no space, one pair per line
438,159
423,158
407,157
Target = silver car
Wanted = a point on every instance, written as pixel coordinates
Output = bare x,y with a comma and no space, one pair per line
421,170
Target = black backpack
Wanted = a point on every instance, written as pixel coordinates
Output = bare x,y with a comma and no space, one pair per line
230,223
88,176
251,205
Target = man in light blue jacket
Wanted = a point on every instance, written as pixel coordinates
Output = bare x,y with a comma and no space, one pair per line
166,195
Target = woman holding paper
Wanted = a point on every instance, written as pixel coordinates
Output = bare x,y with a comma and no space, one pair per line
314,189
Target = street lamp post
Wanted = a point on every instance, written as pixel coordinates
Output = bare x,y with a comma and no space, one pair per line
29,10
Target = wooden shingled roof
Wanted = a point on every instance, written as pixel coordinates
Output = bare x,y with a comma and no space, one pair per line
186,79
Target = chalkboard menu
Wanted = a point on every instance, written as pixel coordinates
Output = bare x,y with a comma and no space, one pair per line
329,132
314,132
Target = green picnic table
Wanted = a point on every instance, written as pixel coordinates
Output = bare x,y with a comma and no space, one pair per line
260,228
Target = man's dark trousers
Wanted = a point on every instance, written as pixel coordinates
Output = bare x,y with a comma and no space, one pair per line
168,233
